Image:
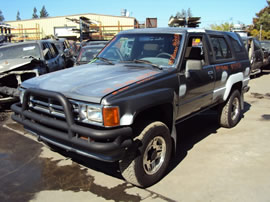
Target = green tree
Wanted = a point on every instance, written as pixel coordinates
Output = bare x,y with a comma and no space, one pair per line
1,16
34,16
262,20
18,16
222,27
43,13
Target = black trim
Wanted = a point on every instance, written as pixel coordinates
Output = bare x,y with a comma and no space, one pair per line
105,144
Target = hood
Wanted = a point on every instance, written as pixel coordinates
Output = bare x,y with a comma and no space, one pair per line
90,82
10,64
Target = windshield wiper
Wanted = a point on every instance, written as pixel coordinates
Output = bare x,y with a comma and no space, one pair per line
104,60
145,62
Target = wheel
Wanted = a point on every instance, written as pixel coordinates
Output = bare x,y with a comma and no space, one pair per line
164,54
146,165
230,113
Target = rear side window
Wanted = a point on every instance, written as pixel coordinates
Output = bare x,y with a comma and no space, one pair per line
237,46
221,48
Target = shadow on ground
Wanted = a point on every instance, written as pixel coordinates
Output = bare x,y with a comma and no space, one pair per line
194,130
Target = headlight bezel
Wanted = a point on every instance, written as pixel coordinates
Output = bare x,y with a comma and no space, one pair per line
95,114
84,111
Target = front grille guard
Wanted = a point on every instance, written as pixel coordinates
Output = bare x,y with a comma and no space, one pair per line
67,107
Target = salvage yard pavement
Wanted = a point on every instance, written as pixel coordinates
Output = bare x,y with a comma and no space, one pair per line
211,164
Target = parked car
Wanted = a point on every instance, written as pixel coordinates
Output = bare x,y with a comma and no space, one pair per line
91,42
66,50
266,50
124,106
24,60
87,53
255,54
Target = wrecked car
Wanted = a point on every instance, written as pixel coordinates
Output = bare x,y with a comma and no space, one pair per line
65,50
255,54
266,51
21,61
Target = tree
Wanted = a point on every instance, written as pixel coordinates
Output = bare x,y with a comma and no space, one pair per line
183,14
182,19
262,20
18,16
1,16
34,16
223,27
43,13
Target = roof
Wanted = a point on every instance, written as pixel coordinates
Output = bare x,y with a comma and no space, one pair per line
21,43
82,14
172,30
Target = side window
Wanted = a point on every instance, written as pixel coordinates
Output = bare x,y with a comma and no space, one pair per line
51,50
55,50
195,48
194,54
46,51
237,46
221,48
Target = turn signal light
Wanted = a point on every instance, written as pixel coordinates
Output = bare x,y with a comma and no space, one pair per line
111,116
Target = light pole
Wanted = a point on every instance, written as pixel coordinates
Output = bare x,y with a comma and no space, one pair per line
260,32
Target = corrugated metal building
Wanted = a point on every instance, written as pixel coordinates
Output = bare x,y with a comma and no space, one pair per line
35,29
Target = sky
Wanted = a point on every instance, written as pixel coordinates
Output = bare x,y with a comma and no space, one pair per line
210,11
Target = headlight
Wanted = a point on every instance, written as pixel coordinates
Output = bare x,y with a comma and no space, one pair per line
90,113
107,116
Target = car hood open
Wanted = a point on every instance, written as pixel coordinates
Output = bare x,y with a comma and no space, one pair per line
11,64
91,82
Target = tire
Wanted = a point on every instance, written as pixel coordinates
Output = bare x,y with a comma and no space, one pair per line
147,164
231,113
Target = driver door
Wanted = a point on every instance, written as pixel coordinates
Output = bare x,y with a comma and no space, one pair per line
196,76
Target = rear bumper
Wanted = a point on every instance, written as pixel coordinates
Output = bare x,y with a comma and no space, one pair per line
102,144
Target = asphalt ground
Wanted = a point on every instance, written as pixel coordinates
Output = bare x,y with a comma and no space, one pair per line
211,163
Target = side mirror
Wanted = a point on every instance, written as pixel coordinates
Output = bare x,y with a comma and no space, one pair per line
193,65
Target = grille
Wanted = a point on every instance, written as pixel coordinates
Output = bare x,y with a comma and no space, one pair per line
51,107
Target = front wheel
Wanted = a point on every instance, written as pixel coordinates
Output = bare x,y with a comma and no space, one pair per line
230,113
147,165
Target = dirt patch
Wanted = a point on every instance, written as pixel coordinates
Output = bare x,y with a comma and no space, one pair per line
260,96
3,117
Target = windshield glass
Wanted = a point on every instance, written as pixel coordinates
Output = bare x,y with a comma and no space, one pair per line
158,49
19,51
88,53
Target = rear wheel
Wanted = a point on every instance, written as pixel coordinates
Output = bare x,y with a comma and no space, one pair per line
147,165
230,113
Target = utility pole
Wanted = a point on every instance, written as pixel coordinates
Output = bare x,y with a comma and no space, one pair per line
260,32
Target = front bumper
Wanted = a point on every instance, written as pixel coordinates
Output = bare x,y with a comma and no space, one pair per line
100,143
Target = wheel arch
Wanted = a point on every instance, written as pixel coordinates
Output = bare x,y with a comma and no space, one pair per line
162,113
234,82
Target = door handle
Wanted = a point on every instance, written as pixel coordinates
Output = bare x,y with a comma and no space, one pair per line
210,72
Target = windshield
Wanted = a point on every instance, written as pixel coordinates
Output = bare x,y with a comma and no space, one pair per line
88,53
157,49
19,51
